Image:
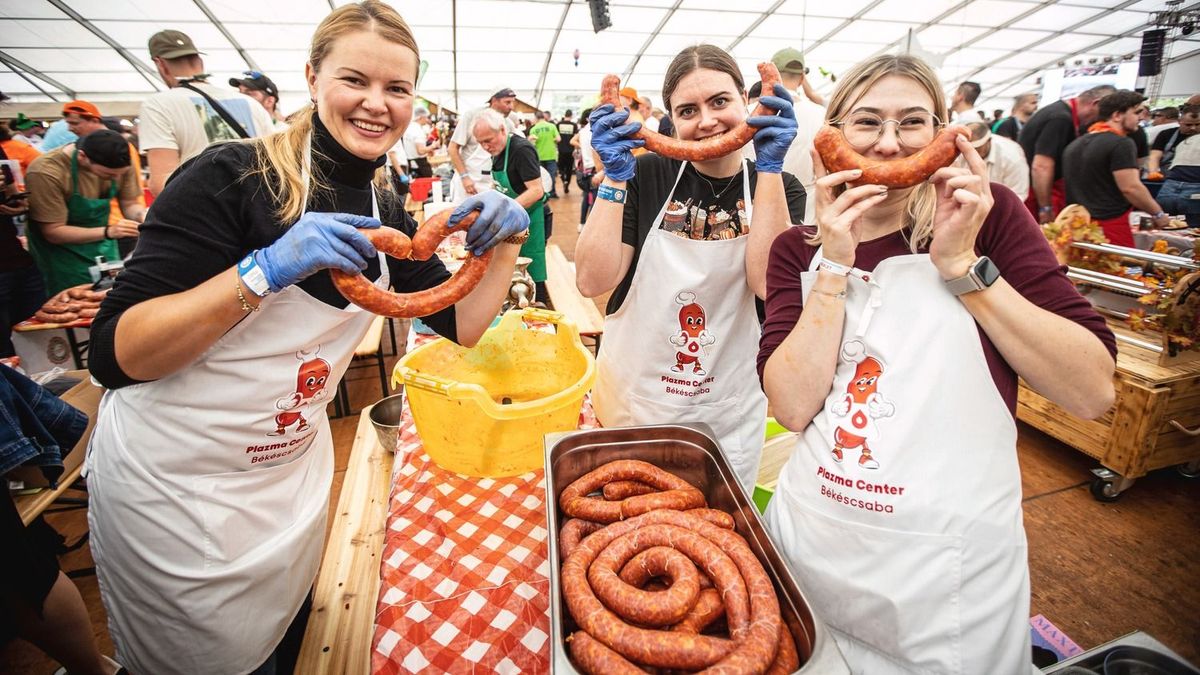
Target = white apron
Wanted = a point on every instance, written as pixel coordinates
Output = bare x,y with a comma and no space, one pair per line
911,546
209,489
682,346
479,170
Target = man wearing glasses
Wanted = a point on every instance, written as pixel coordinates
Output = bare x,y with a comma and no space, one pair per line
259,87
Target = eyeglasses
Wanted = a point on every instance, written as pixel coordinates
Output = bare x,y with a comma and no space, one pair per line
863,129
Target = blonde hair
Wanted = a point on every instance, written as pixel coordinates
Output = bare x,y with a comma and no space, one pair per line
918,212
279,158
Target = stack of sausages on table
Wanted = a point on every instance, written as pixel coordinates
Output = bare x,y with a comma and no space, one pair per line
71,304
632,528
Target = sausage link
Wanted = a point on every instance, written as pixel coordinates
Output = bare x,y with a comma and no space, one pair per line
719,518
676,493
651,608
708,148
573,532
837,155
623,489
365,294
787,659
708,609
436,228
593,657
643,568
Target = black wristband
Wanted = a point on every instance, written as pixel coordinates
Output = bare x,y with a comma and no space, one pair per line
106,232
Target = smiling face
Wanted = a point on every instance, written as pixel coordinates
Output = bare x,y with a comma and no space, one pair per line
364,92
706,103
894,97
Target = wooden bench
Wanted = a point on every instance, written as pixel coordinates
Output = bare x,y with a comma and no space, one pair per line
566,298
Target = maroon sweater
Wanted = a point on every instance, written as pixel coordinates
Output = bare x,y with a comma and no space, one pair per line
1009,236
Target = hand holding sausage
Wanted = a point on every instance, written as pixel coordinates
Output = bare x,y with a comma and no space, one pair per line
964,198
500,217
315,242
611,137
840,216
775,132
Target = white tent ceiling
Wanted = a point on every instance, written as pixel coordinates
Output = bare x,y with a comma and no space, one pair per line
96,49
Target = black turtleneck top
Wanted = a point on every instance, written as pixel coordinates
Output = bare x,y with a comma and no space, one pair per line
213,212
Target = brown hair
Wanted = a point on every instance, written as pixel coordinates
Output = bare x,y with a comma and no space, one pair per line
280,157
694,58
851,86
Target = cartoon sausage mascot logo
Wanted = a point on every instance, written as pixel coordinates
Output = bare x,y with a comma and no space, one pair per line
310,388
860,406
692,337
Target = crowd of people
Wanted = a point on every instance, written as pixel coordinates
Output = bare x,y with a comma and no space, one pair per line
751,278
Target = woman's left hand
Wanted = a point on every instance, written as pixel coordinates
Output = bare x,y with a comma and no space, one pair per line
775,132
964,198
500,217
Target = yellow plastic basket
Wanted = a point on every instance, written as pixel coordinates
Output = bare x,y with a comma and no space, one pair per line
483,411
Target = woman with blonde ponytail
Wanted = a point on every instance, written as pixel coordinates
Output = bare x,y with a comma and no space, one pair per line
896,329
223,342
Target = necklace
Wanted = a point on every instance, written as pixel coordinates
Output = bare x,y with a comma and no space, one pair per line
716,195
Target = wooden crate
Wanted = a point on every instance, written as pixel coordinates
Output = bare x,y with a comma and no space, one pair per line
1146,427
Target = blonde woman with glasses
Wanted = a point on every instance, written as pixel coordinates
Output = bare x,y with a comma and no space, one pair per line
896,329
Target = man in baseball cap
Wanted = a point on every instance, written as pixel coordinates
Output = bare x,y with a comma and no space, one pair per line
259,87
82,117
172,44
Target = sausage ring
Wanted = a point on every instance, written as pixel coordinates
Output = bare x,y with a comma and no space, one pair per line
751,607
358,290
676,492
708,148
837,155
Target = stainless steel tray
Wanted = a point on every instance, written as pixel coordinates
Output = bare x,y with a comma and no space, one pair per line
688,451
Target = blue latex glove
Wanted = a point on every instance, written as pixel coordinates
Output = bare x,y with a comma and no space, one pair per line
610,138
500,217
316,242
775,132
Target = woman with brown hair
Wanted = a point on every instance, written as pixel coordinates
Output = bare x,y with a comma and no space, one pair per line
683,248
222,343
896,329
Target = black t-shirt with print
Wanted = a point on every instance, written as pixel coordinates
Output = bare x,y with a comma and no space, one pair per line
720,199
566,131
523,164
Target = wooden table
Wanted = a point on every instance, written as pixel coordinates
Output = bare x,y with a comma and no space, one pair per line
338,638
1154,423
560,283
86,397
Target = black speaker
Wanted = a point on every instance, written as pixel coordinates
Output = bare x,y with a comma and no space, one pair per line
1150,57
600,18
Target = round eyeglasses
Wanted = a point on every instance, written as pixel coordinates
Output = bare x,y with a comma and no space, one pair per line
863,129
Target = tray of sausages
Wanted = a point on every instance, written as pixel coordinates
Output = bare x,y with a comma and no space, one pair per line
659,562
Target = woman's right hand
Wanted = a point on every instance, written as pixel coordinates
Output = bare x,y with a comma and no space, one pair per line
611,139
316,242
840,217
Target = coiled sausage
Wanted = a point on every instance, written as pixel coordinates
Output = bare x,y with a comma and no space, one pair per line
358,290
676,493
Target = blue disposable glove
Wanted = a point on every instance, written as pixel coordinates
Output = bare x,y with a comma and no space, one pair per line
316,242
775,132
611,139
500,217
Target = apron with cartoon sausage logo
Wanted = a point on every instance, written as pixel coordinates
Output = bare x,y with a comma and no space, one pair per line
209,489
900,511
682,346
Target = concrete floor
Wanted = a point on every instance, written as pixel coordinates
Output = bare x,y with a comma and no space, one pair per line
1098,571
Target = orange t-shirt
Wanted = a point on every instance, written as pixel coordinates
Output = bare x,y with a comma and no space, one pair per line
20,151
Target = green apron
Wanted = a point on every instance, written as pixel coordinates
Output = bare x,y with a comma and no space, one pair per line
66,265
535,247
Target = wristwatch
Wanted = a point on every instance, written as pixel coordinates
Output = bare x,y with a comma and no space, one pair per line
981,275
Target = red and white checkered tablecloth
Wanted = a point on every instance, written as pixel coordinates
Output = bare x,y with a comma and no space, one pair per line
465,577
